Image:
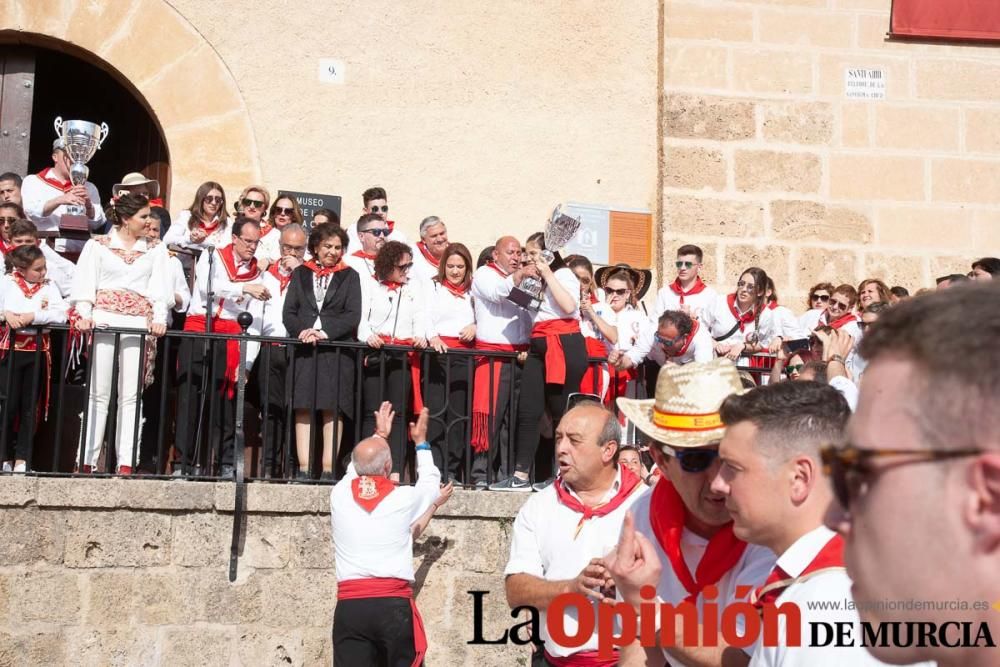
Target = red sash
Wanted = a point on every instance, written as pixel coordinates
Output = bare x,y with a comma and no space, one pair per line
283,280
697,288
629,483
47,176
555,356
456,343
830,556
592,380
742,319
422,247
324,271
413,358
378,587
229,263
219,325
843,320
666,516
370,490
582,659
484,397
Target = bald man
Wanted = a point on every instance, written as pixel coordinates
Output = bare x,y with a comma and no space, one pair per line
376,620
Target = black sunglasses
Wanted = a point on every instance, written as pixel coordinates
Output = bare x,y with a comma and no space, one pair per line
378,231
616,292
850,471
667,342
215,199
376,209
404,267
684,265
696,460
252,203
820,297
282,210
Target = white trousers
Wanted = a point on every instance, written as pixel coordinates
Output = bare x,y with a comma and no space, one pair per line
102,365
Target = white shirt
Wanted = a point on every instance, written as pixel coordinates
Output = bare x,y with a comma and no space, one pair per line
810,319
273,323
354,241
830,586
498,320
399,314
847,389
787,325
720,321
180,234
59,270
228,299
380,544
102,267
544,544
363,265
701,349
550,310
35,192
269,248
47,303
447,314
750,570
667,299
630,322
423,269
180,287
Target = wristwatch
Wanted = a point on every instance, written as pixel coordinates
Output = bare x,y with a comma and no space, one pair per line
838,359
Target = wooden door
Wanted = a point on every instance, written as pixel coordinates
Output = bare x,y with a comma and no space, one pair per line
17,92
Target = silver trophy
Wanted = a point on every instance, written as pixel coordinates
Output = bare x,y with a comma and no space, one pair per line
559,231
81,139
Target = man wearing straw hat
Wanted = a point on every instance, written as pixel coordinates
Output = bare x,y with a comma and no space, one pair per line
682,520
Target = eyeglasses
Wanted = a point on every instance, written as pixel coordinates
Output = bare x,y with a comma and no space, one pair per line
375,209
293,249
616,292
839,305
404,267
253,203
378,231
668,342
282,210
684,265
248,241
214,199
820,297
794,368
850,471
744,285
7,221
695,460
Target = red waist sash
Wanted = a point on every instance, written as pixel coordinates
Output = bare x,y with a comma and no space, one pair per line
555,356
593,381
414,360
484,396
456,343
219,325
383,587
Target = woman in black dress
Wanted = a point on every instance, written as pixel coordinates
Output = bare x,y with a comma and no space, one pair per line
323,303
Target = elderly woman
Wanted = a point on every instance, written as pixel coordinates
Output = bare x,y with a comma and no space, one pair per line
205,223
392,313
818,300
323,303
123,281
741,322
451,325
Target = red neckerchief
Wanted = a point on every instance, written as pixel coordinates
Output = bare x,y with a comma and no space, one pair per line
496,267
422,247
391,285
771,305
629,483
593,298
362,254
370,490
324,271
48,176
392,226
666,517
28,289
697,288
4,247
458,290
266,229
842,320
830,556
688,340
229,262
744,319
282,279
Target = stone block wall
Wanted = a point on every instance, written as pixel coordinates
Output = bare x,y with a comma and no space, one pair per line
132,572
766,161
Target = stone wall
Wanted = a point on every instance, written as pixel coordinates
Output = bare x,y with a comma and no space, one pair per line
765,161
133,572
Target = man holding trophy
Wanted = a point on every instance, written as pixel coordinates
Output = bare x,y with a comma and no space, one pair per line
557,357
59,198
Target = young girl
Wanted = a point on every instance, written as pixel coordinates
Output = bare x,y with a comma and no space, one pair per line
26,298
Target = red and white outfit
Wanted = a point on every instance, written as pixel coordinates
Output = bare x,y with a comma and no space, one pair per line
811,570
364,264
730,325
555,536
395,234
698,346
372,543
699,298
128,289
269,248
219,234
449,310
425,265
691,562
45,186
276,281
597,346
501,326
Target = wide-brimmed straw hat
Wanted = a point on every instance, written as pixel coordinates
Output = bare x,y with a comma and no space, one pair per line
135,179
641,278
685,412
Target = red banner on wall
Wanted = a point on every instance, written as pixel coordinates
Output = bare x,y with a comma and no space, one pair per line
946,19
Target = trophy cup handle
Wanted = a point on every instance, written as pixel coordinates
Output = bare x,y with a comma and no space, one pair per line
103,135
57,124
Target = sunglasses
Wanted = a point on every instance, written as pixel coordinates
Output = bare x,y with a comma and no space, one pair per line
850,471
744,285
253,203
616,292
684,265
7,221
376,209
820,297
794,368
378,231
214,199
839,305
696,460
404,267
282,210
667,342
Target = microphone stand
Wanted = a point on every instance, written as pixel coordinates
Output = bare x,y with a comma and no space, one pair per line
207,351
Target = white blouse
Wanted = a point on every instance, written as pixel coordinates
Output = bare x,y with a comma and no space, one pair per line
447,313
549,309
720,321
47,303
397,313
105,264
180,234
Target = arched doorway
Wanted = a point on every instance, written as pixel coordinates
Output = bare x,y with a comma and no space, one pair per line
67,84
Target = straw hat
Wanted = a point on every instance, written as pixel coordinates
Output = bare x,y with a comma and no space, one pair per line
135,179
641,278
685,412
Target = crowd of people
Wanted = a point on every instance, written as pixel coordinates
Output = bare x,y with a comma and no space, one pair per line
437,328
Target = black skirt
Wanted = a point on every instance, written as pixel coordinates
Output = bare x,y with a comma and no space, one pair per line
322,378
